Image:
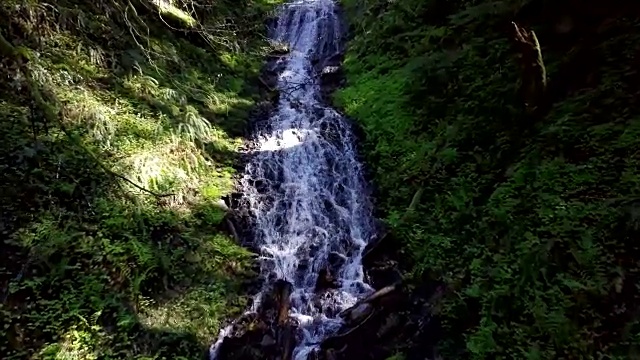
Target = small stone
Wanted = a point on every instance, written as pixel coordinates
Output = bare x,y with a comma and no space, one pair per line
330,69
267,340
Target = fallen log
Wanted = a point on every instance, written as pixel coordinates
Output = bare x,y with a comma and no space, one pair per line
373,246
332,341
374,298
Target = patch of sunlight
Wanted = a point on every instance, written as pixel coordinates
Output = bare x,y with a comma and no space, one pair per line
83,107
232,144
109,121
135,123
141,85
70,59
165,49
192,125
74,345
227,101
223,141
229,59
167,7
174,166
199,311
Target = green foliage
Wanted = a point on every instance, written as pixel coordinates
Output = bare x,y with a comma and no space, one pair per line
531,223
94,265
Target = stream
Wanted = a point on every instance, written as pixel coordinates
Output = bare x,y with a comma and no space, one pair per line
304,185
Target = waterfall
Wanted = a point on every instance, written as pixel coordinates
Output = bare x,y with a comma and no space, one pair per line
304,185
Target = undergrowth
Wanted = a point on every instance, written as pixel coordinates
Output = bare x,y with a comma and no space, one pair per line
110,204
530,221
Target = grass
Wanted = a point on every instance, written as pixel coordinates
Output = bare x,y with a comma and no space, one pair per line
529,221
95,266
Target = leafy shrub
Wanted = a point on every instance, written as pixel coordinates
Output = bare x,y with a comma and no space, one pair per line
528,220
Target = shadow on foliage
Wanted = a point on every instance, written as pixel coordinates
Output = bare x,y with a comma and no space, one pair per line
89,266
78,257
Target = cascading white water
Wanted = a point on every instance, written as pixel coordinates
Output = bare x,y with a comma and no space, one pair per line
304,185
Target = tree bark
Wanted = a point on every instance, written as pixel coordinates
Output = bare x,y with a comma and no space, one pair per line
533,88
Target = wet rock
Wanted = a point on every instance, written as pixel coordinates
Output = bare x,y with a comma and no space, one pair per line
359,313
220,203
263,109
314,355
280,49
232,200
319,62
382,273
267,340
391,323
282,290
334,60
370,326
270,22
380,247
325,281
331,76
269,79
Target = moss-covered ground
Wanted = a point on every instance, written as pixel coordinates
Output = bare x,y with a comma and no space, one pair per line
120,124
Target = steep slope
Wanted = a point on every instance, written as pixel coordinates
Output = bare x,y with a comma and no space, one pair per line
121,122
522,171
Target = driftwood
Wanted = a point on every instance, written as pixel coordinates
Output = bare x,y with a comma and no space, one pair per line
385,291
373,299
284,327
373,245
282,293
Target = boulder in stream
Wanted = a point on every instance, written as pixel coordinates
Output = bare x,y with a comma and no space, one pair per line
325,281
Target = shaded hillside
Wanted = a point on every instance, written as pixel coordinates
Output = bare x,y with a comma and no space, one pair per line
120,122
521,165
